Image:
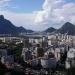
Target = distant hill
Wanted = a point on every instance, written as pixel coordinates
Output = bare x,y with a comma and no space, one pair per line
68,28
50,30
6,27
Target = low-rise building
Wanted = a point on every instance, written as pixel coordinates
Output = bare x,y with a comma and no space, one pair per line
49,62
3,52
8,61
70,61
26,54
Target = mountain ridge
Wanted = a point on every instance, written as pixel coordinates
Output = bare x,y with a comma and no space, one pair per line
68,28
7,27
50,30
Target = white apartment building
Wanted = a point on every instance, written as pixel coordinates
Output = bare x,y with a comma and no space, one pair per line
70,61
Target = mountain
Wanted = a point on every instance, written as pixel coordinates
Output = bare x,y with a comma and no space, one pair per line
30,31
68,28
21,29
50,30
6,27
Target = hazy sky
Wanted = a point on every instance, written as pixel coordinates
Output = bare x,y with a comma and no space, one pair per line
38,14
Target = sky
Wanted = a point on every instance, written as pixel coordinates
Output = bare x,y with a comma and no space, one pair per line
38,15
